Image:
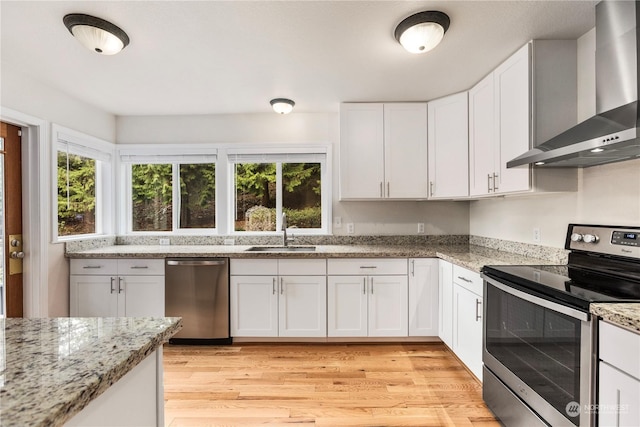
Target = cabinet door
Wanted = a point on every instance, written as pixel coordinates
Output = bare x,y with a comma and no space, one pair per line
618,395
302,306
445,296
388,306
144,296
513,106
449,147
423,297
405,150
467,329
482,144
361,151
254,306
93,296
347,306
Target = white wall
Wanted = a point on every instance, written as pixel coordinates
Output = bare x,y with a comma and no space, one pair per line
384,218
20,93
607,194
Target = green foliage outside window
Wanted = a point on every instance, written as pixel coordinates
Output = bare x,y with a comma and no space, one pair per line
76,195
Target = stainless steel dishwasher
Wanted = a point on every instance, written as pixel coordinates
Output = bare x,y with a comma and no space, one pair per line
197,289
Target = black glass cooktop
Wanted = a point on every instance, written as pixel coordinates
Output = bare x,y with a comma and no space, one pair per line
583,281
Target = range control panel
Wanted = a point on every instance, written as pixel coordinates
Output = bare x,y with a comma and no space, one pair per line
621,241
627,238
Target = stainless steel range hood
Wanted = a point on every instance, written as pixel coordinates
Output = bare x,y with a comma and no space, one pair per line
613,134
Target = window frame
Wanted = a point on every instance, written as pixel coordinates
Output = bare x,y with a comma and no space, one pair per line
278,155
102,152
175,155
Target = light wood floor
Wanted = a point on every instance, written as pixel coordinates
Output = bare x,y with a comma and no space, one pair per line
320,384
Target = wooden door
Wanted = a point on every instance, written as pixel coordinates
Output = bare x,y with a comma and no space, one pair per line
12,218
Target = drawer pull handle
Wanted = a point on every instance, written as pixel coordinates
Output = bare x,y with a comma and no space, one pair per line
92,266
120,288
364,285
273,286
464,279
368,266
113,279
135,267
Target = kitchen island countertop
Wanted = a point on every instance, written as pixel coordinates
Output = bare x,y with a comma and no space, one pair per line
51,368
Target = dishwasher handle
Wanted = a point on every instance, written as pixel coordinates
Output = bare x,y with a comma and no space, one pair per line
196,262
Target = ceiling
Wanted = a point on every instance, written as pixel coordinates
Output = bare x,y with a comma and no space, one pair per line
228,57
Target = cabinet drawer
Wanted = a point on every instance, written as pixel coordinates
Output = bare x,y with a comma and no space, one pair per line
142,267
302,267
253,267
612,339
367,266
468,279
94,266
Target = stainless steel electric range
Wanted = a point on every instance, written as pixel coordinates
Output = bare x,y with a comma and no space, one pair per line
539,339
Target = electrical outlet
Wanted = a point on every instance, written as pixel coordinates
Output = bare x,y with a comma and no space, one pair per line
421,228
229,242
350,228
536,235
164,241
337,222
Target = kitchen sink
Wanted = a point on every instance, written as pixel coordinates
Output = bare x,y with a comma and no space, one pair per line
282,249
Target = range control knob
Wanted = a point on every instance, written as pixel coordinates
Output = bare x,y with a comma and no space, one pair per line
576,237
590,238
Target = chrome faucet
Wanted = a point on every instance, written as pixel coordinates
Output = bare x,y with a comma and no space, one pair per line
285,240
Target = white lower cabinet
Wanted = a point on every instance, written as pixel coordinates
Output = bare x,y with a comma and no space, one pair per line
445,302
279,304
618,377
114,288
373,305
467,318
423,297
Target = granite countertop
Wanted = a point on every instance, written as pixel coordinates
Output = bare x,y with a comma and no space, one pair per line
626,315
52,368
468,256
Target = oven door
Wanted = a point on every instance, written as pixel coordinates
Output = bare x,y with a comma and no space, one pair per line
542,351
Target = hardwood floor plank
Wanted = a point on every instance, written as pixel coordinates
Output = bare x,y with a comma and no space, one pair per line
390,384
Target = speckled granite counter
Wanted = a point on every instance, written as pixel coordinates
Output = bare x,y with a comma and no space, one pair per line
50,369
468,256
625,315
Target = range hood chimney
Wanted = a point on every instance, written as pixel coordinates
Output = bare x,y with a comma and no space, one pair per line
612,135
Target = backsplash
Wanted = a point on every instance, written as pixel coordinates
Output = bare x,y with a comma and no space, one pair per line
92,243
299,240
556,255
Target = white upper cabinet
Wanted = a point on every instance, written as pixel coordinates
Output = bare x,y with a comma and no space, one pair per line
448,142
512,107
525,101
361,151
383,151
482,144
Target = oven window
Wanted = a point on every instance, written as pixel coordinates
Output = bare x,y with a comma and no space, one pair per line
540,346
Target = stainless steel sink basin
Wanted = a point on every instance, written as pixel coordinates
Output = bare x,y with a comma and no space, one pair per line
282,249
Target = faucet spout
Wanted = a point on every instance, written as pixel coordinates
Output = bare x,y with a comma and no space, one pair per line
285,240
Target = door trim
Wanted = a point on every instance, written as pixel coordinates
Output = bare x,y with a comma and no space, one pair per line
35,162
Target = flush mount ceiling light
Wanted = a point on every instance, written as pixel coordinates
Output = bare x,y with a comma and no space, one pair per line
282,105
96,34
423,31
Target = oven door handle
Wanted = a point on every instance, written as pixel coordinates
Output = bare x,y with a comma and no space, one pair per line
576,314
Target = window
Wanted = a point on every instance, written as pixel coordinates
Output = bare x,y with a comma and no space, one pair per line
171,192
82,184
267,185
